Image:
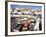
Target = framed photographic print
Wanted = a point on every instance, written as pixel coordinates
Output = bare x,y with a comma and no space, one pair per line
24,18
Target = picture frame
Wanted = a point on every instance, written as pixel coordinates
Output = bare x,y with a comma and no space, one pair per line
22,13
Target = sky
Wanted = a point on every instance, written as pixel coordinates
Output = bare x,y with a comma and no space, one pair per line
26,6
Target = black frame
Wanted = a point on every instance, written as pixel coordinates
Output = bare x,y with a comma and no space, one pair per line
6,18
